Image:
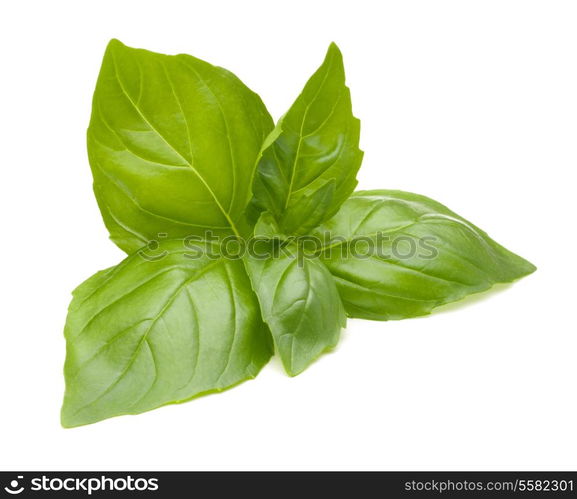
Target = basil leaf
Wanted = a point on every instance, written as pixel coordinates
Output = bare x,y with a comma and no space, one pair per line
308,214
396,255
301,305
172,142
315,142
148,333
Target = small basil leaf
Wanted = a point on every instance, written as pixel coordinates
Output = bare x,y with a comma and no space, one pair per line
172,142
301,305
315,142
148,333
307,215
396,255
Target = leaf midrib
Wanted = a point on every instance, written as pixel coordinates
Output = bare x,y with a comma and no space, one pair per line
188,163
144,338
301,137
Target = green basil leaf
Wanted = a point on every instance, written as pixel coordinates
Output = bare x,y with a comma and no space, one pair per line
301,305
267,227
173,143
315,142
396,255
149,333
308,214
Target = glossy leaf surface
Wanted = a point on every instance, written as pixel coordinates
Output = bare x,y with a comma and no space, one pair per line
148,333
301,305
396,255
309,162
172,143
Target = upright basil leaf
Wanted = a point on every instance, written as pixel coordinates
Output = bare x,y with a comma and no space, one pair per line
396,255
148,333
315,142
173,142
301,305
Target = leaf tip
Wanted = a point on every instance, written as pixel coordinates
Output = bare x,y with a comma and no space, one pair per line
517,267
114,43
333,52
333,47
293,371
529,268
66,418
69,415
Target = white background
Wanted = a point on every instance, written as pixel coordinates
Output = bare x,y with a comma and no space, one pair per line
471,103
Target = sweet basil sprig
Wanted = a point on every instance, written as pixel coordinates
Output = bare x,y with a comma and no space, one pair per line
186,159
